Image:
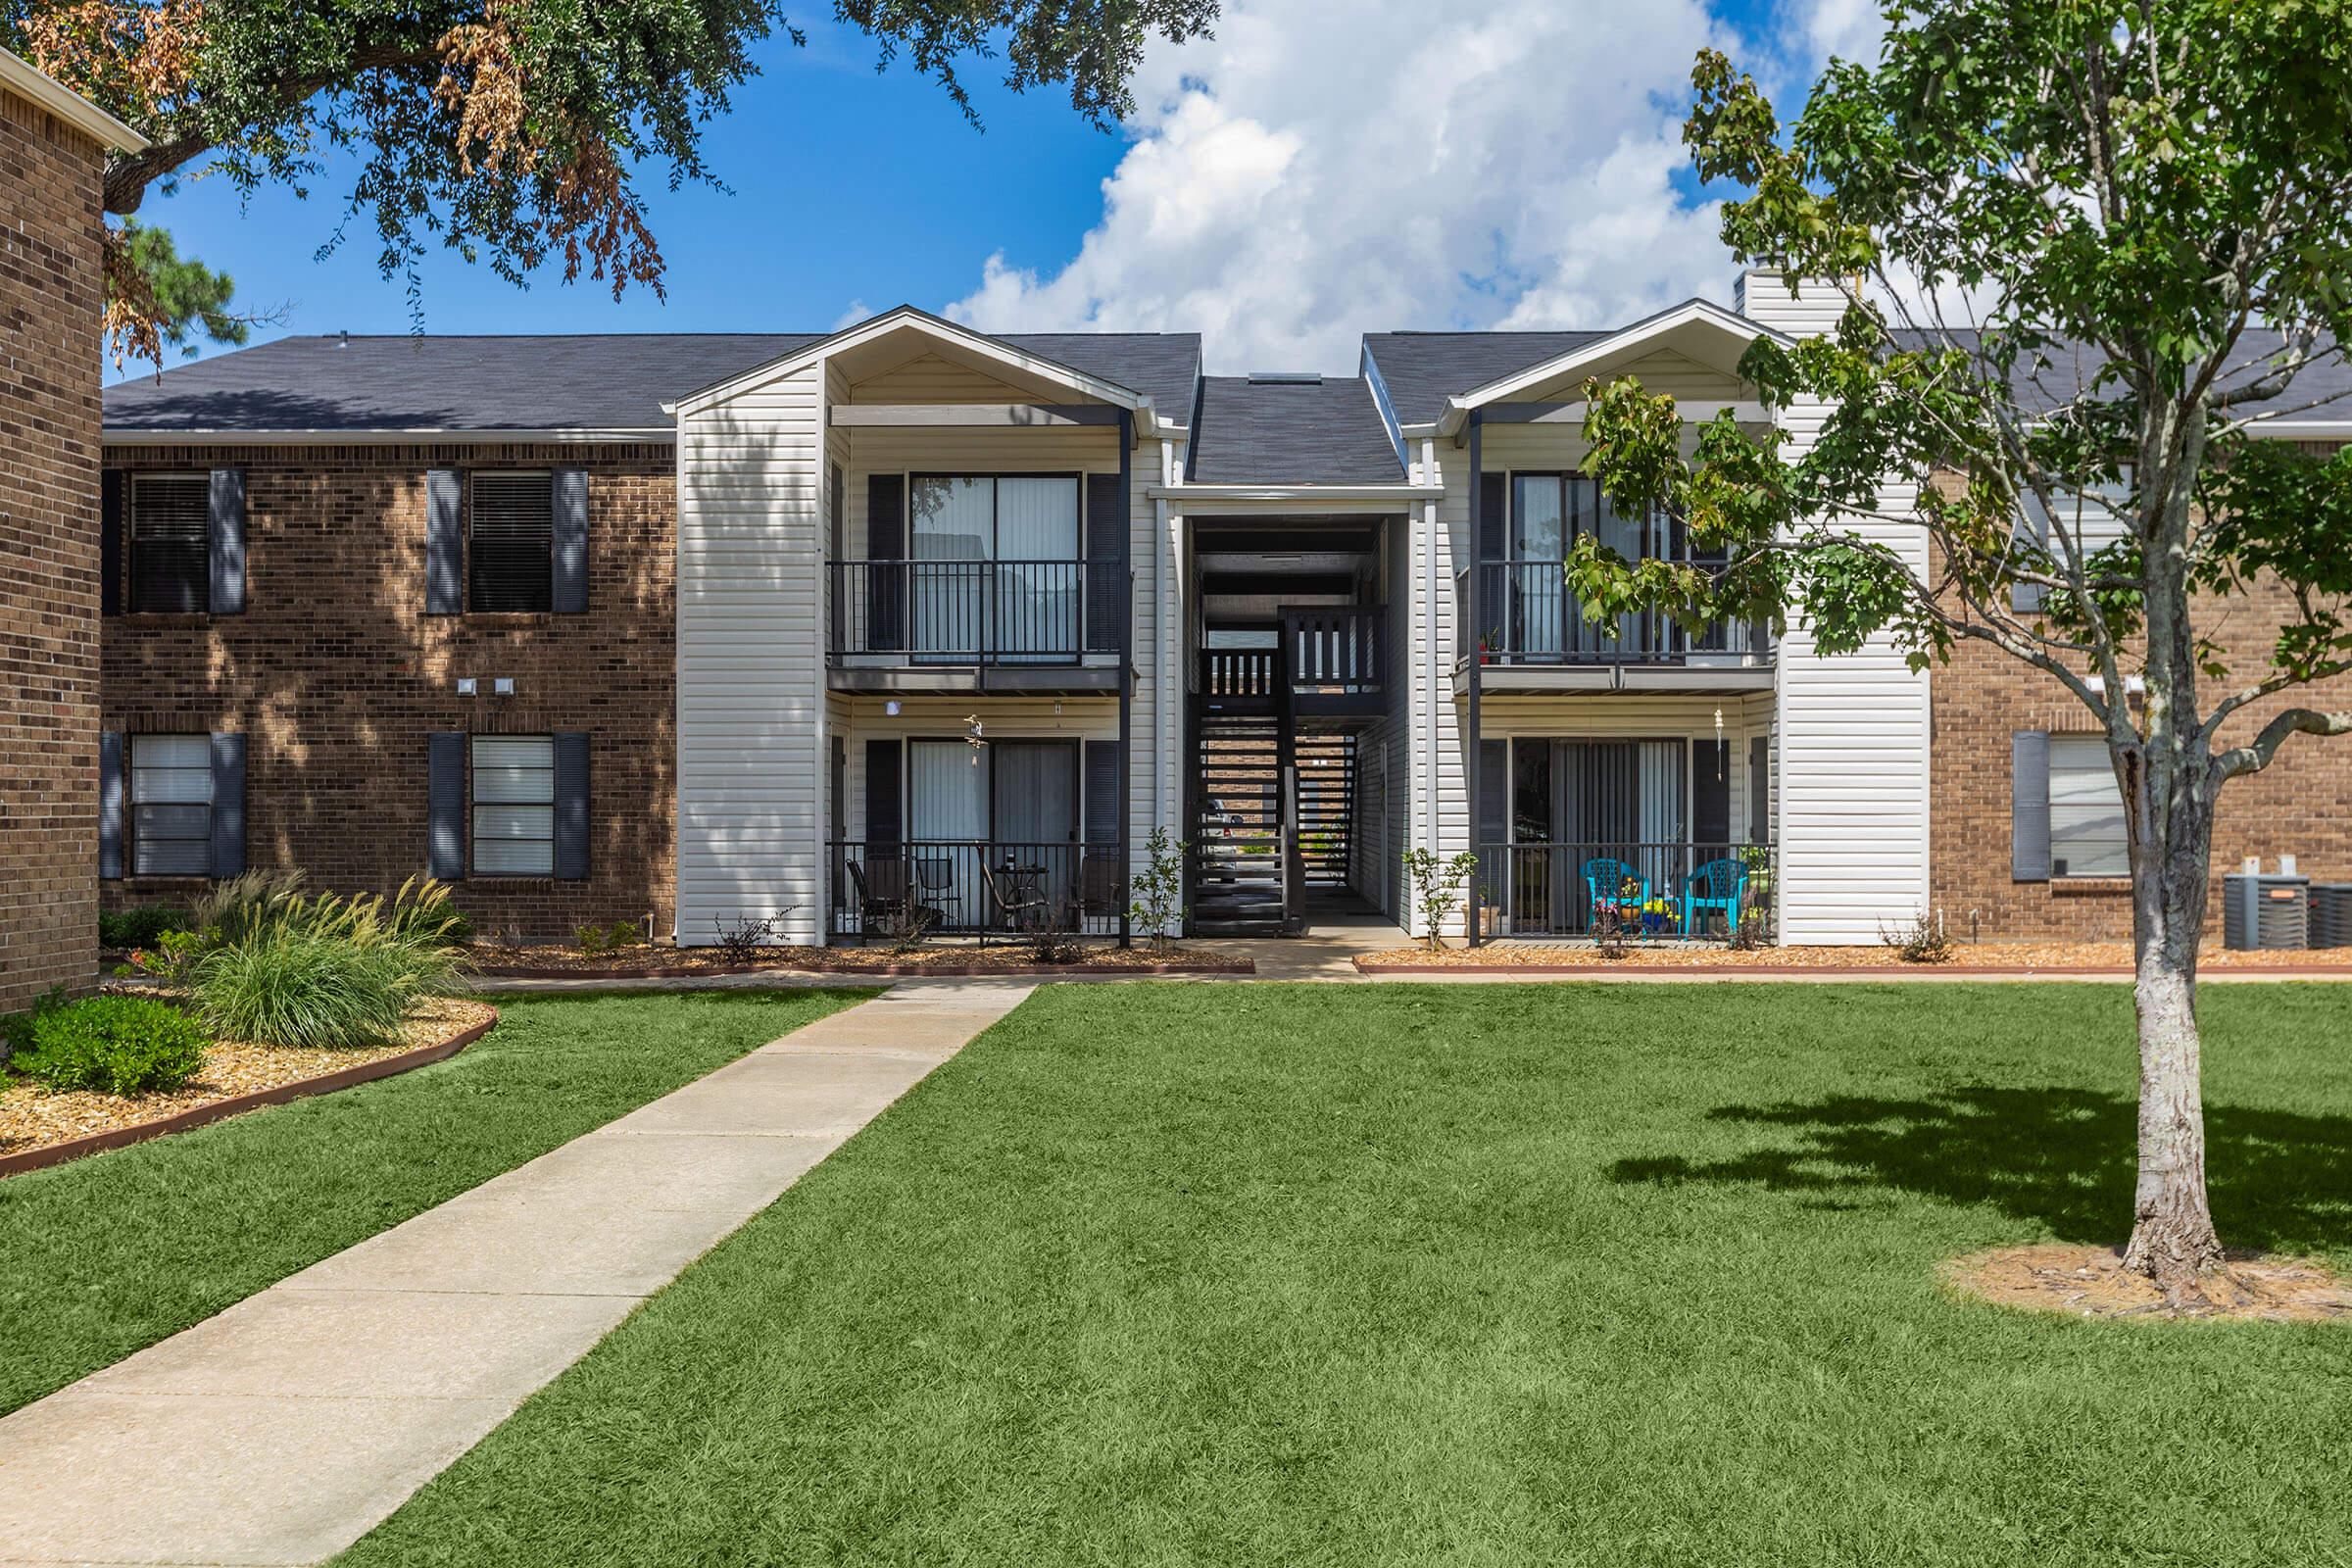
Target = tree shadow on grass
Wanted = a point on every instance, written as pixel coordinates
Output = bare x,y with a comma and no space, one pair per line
2061,1157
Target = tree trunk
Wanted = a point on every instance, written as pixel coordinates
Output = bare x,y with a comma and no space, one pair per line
2173,1237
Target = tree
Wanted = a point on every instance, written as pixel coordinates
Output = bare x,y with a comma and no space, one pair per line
2082,252
508,130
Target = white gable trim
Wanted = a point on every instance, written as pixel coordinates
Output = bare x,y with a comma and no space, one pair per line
1691,313
45,92
906,316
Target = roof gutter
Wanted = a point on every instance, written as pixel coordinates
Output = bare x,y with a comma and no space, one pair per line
1308,493
45,92
138,436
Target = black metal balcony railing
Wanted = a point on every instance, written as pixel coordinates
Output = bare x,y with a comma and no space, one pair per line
978,612
1680,891
1526,616
968,886
1336,650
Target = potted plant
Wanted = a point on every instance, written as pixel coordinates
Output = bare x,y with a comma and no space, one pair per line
1490,918
1488,642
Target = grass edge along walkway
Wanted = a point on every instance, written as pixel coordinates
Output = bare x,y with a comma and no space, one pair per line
109,1254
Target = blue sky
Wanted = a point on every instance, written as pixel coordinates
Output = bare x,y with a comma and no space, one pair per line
1263,195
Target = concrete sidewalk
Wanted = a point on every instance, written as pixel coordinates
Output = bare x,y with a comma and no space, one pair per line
285,1428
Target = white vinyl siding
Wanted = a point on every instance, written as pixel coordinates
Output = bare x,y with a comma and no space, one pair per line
513,805
171,806
752,742
1853,730
2087,810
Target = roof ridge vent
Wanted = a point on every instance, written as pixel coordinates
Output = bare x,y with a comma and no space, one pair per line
1286,378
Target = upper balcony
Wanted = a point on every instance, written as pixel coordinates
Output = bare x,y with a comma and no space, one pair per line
1529,633
1007,626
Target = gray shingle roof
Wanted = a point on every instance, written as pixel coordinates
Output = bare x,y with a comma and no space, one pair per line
1291,432
606,381
1422,369
2327,383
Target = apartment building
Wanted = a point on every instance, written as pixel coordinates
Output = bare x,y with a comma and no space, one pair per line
911,621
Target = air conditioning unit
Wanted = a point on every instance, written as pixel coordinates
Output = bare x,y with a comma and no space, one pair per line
2331,915
2265,912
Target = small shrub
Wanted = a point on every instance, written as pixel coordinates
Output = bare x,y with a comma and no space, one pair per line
1921,939
140,926
114,1044
1157,908
1438,886
743,939
593,941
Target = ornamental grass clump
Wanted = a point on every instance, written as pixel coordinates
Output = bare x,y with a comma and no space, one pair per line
287,969
126,1046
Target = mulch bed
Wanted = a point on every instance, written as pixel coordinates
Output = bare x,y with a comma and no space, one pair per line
38,1127
556,962
2090,1282
2039,957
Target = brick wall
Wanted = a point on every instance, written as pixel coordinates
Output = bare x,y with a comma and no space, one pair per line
336,675
2301,805
49,414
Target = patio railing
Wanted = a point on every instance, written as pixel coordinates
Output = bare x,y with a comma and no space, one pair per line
1526,616
885,888
1659,891
977,611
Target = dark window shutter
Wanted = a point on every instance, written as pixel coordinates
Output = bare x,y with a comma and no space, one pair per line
109,542
1711,795
1759,789
1103,763
1493,792
444,542
110,806
1493,537
570,591
2035,529
445,805
2029,806
836,504
228,541
882,818
885,542
1105,564
228,806
572,808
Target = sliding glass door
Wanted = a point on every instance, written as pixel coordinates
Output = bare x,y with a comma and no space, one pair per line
1550,511
1575,802
996,570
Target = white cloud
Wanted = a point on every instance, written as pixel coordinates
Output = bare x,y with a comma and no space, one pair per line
1325,167
1848,30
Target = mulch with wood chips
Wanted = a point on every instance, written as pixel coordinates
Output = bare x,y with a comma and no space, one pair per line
1006,958
33,1117
2052,957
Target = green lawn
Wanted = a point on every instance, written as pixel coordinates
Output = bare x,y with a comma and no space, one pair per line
1609,1275
107,1255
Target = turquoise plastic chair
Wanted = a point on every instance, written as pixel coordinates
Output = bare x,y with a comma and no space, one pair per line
1604,882
1717,886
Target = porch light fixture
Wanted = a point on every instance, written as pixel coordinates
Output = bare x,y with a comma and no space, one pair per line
891,708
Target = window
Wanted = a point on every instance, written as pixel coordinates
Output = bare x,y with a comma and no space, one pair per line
1026,604
513,806
2087,810
170,542
171,806
510,555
